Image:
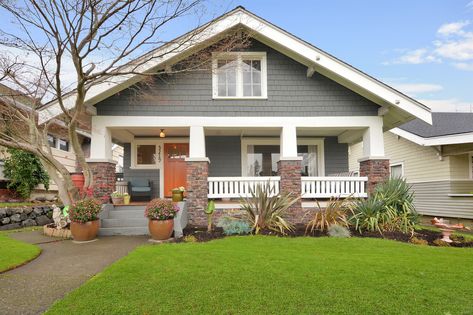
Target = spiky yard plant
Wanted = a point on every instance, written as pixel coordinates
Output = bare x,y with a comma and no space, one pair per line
266,210
209,211
337,211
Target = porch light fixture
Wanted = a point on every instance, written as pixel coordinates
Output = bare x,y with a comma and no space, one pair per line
162,134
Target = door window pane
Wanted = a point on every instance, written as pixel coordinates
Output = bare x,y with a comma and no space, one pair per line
146,154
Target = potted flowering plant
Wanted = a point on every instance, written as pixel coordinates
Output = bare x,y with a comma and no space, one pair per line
84,216
117,198
160,213
178,194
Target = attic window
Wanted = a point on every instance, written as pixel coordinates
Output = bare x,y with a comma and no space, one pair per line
239,75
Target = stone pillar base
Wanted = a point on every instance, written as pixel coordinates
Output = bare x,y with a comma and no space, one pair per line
290,173
104,179
197,191
377,171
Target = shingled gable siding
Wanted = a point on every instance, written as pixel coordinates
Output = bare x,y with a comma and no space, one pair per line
290,93
130,174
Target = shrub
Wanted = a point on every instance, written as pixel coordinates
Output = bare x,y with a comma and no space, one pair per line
190,239
209,211
418,241
85,210
24,171
389,208
160,209
440,243
117,194
266,210
336,230
336,212
232,226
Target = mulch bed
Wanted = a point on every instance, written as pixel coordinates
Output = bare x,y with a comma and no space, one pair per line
201,235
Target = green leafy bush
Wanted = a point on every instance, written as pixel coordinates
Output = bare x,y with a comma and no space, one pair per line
232,226
337,211
267,210
336,230
25,172
418,241
389,208
85,210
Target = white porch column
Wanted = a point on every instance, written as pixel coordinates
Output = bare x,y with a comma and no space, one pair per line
197,143
289,143
100,143
373,141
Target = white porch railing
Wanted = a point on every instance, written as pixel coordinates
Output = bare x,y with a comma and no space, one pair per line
236,187
326,187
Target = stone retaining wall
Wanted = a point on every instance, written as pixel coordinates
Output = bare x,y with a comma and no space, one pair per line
18,217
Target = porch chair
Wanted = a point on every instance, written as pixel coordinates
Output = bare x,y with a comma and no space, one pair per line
139,188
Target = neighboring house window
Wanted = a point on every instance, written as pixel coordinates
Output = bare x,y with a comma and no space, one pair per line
397,170
146,154
470,158
57,143
239,75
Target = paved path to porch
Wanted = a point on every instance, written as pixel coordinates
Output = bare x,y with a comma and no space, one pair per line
61,267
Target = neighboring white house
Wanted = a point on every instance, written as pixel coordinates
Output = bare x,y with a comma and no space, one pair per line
437,160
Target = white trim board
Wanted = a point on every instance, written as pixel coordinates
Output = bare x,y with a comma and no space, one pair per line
434,141
312,56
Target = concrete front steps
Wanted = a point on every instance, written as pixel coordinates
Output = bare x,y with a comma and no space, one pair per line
124,220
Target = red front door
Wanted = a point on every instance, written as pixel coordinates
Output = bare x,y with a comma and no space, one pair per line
174,166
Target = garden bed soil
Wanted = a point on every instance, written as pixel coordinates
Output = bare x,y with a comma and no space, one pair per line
430,236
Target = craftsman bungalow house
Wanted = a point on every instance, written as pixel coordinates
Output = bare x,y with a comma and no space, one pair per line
280,109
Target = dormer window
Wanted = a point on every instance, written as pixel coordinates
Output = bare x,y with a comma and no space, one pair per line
239,75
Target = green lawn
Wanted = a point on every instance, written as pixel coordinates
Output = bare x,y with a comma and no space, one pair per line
270,275
14,253
15,204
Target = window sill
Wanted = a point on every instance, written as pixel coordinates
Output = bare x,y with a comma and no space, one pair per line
144,167
240,98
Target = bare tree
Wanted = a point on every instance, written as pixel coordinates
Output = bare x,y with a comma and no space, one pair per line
96,40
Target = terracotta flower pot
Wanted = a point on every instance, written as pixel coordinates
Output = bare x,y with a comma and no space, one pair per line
160,229
78,180
117,200
83,232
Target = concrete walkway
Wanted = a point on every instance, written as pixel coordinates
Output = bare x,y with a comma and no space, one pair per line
61,267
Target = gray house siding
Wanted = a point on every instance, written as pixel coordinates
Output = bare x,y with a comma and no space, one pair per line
225,155
130,174
290,93
336,156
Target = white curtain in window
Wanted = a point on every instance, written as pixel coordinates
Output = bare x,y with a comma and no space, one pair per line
250,160
313,168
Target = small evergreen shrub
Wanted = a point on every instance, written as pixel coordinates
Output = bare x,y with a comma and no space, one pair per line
441,243
190,239
232,226
24,171
336,230
418,241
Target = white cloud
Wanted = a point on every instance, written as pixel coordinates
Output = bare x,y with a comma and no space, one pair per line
416,56
463,66
448,105
452,28
417,88
470,5
461,49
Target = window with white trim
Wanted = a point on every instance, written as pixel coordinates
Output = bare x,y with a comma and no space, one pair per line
239,75
397,170
57,143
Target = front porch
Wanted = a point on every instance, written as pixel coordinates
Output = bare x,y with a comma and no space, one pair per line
223,160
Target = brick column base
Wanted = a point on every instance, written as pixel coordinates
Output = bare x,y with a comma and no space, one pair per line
197,192
104,179
377,171
290,173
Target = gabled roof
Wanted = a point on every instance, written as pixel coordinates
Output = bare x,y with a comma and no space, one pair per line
446,128
397,108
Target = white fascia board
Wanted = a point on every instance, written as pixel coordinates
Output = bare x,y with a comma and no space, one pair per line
272,32
434,141
345,122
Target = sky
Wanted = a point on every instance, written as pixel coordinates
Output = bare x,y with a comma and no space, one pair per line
423,48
